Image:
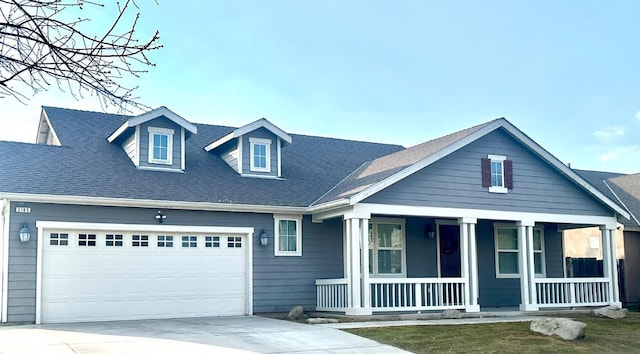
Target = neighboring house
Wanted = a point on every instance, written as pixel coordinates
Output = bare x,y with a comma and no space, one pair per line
151,216
625,190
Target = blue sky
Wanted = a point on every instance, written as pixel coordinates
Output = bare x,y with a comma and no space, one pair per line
566,73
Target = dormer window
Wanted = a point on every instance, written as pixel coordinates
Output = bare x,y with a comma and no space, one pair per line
260,154
160,145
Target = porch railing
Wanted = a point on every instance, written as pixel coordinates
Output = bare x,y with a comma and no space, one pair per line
417,294
402,294
332,295
574,292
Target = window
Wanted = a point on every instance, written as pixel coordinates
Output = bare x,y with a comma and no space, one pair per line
386,247
113,240
165,241
234,242
497,174
260,155
506,241
189,241
58,239
160,145
288,235
87,240
139,240
212,241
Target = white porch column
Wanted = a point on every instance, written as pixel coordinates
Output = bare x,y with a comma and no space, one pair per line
610,262
526,265
469,263
357,227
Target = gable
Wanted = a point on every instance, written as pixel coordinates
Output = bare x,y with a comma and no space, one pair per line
455,181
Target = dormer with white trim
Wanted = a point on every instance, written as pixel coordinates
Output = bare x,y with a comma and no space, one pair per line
253,150
155,140
46,134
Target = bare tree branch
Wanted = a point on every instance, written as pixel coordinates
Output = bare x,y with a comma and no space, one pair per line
39,46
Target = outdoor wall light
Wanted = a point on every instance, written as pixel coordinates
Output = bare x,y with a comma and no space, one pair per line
25,234
430,231
264,238
160,217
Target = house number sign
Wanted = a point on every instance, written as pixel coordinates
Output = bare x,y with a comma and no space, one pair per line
23,210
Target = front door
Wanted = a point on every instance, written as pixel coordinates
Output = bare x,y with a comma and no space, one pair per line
449,250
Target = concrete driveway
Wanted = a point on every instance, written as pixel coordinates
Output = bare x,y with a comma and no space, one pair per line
246,334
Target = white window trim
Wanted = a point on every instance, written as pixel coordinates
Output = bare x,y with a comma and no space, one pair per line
501,159
374,259
276,235
267,144
497,226
164,131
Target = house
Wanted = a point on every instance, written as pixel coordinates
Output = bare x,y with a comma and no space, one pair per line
625,190
114,217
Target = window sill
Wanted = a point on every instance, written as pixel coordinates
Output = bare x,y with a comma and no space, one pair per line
501,190
288,254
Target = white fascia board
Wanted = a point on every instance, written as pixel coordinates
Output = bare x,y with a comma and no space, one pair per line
119,131
148,203
263,123
164,111
145,117
358,197
564,169
483,214
219,142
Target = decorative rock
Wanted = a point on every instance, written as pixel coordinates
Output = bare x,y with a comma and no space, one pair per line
611,311
564,328
451,314
296,313
321,320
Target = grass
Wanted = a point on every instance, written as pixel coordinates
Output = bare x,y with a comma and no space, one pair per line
602,336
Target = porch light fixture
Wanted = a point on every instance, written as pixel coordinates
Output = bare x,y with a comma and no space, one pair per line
160,217
264,239
430,231
25,234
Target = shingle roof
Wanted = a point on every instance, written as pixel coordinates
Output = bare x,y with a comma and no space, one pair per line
88,165
621,188
386,166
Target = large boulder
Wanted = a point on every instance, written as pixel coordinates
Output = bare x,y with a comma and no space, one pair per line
296,313
611,311
564,328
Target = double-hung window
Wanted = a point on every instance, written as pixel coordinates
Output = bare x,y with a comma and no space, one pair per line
387,247
507,251
497,173
260,155
160,145
288,236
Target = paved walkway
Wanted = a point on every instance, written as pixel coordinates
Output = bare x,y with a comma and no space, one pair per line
247,334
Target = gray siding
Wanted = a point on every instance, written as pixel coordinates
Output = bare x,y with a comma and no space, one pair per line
632,267
505,292
455,182
231,156
422,255
279,282
261,133
144,142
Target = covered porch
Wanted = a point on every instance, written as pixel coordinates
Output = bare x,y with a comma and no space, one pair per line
417,259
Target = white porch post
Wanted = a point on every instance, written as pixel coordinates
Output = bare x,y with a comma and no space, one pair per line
469,262
526,265
610,263
356,233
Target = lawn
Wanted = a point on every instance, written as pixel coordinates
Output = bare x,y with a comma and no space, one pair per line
602,336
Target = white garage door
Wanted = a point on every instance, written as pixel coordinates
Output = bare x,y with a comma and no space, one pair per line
115,275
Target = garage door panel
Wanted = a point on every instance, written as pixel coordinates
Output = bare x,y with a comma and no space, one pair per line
82,283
